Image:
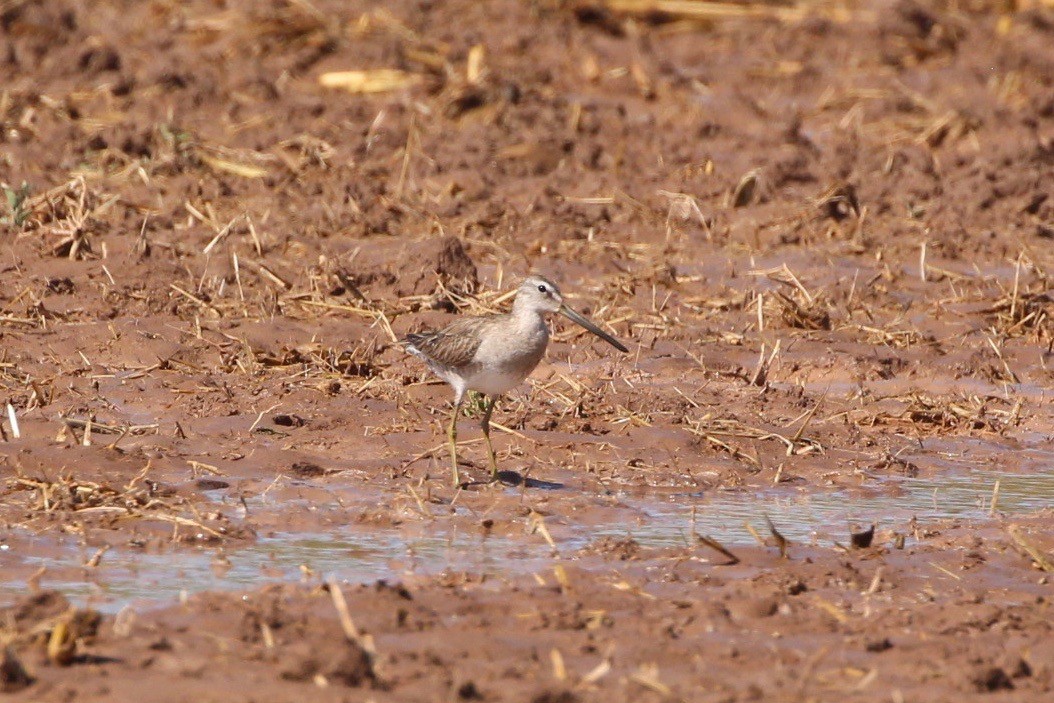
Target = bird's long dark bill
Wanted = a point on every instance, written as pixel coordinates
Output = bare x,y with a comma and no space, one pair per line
581,320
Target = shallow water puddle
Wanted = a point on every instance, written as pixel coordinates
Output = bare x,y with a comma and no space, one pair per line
813,516
128,577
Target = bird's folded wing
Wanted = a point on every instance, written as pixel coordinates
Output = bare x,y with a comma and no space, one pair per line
453,346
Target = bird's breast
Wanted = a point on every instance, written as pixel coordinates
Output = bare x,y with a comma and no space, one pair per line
505,360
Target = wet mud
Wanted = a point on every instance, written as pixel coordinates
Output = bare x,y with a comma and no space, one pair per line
824,232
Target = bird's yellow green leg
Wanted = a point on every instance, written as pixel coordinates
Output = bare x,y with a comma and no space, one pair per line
485,424
452,435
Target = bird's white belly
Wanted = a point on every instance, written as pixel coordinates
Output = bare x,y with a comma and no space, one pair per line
494,381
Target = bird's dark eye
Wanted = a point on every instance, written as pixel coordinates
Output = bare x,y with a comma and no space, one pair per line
542,289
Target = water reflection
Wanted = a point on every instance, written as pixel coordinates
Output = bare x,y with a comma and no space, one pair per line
136,578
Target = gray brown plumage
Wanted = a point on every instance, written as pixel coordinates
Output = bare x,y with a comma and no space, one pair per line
491,354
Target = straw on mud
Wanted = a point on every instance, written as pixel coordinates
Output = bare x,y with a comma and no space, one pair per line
1041,560
420,503
113,445
808,417
781,542
232,167
260,417
176,520
938,567
718,547
13,420
562,579
761,371
634,589
832,609
196,466
93,562
753,532
341,605
537,524
346,623
220,235
62,644
1017,280
267,273
875,581
193,298
474,66
557,660
703,10
597,672
267,634
378,80
995,498
999,353
778,476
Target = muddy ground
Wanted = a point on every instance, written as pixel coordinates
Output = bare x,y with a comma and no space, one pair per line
826,234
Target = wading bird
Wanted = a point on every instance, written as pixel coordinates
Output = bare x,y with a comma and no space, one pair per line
491,354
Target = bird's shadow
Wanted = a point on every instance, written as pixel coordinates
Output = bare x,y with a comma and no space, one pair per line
514,478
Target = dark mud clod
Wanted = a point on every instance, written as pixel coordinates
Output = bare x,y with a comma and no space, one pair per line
286,420
349,664
561,696
13,676
862,539
993,679
745,191
469,692
840,202
878,645
307,469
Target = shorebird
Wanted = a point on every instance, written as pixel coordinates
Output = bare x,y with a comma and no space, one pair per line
492,354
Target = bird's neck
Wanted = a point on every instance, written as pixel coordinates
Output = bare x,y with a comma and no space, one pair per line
529,318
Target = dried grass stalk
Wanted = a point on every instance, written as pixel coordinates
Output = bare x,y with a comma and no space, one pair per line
378,80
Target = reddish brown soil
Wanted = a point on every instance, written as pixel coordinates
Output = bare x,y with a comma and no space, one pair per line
958,615
826,236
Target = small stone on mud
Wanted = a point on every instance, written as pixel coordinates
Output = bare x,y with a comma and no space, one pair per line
993,679
211,484
398,589
350,665
753,608
1016,667
307,469
862,540
555,697
468,692
284,420
622,548
879,645
62,286
13,676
